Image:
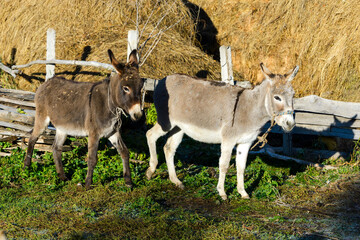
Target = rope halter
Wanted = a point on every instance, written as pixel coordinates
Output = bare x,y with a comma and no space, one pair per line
262,139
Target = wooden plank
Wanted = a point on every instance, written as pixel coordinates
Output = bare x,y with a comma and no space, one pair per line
287,144
45,147
133,40
17,102
317,104
149,84
320,131
325,120
16,126
11,116
14,93
15,133
15,110
50,52
315,154
226,65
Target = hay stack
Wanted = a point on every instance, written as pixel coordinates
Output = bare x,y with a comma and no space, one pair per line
322,37
96,26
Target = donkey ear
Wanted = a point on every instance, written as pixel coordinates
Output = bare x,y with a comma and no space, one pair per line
118,66
266,71
133,60
292,73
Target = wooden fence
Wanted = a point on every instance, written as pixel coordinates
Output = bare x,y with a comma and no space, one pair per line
313,115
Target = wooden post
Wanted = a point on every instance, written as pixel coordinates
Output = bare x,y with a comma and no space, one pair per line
50,53
287,144
226,65
133,39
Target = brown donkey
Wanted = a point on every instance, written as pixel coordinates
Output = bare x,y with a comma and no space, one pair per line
89,109
216,113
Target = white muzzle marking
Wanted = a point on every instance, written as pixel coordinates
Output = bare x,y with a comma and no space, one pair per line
135,112
285,120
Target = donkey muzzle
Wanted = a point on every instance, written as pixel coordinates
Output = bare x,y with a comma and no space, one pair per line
135,112
286,121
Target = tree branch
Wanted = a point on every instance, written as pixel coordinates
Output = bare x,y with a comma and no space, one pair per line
8,70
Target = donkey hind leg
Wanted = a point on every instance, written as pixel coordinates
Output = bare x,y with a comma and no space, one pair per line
152,136
40,124
120,146
93,143
170,147
60,138
242,151
226,150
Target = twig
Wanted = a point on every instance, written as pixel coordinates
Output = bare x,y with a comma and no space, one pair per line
8,70
157,39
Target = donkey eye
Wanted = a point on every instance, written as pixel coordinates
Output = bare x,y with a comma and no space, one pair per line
126,89
277,98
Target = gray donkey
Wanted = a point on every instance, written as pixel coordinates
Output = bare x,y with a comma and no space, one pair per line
212,112
89,109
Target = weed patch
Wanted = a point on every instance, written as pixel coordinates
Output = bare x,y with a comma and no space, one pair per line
287,201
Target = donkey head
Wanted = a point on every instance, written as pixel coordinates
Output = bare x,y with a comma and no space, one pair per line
279,97
126,86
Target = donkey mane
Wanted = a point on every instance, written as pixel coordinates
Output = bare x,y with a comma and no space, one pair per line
106,81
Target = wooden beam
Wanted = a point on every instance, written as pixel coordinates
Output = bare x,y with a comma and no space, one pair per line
133,40
317,104
17,102
18,117
226,65
326,120
50,52
20,94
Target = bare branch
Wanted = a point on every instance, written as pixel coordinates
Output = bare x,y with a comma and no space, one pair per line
147,21
157,38
8,70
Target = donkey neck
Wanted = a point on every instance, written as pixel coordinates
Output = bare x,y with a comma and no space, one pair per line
256,99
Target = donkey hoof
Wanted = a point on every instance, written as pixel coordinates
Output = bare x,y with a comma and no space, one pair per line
63,178
223,197
245,196
129,184
149,174
181,186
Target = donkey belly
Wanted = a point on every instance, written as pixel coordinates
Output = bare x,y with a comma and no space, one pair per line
201,134
72,130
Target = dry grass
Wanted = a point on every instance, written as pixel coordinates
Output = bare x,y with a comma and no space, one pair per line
99,25
321,36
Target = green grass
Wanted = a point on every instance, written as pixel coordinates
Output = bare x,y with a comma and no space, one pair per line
288,201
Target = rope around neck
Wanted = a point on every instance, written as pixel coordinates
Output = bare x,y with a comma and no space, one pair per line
118,110
262,139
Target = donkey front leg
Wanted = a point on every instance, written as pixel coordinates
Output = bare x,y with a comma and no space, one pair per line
170,147
60,138
120,146
152,136
242,151
93,144
226,150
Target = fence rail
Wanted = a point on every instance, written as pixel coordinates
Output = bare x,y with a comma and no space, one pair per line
313,115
